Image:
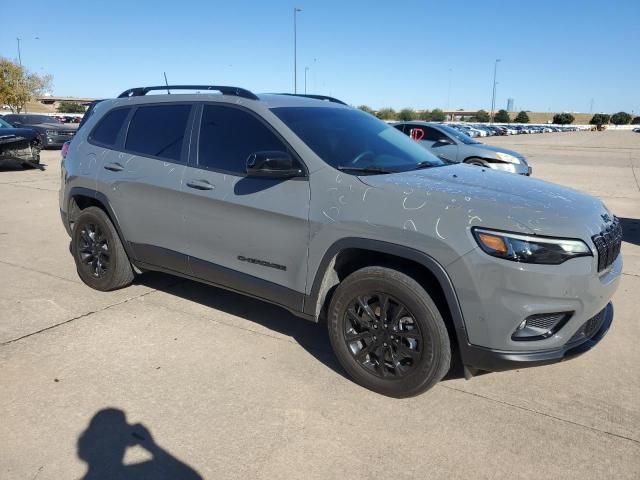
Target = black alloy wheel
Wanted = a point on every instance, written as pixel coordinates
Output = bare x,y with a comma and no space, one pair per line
382,335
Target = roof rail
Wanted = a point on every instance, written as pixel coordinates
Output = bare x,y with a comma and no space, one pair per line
317,97
236,91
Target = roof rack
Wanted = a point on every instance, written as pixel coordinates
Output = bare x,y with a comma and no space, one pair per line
236,91
317,97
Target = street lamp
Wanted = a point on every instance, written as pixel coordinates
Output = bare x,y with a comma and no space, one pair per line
306,69
493,97
18,39
449,91
295,50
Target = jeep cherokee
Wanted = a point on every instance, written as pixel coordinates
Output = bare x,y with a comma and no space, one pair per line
332,214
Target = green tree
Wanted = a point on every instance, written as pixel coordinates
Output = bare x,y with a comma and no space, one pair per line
522,117
502,117
367,109
438,115
387,114
70,107
563,118
407,114
18,85
481,116
600,119
635,121
425,115
621,118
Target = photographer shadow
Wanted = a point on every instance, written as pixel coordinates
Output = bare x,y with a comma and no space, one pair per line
104,443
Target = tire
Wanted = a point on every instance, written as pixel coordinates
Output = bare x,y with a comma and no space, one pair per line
476,161
101,260
414,343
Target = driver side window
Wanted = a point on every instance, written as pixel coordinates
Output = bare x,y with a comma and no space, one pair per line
229,135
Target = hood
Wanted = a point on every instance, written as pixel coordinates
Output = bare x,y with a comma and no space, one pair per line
8,134
492,148
57,126
473,196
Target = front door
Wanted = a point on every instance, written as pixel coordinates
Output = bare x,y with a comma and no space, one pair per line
250,234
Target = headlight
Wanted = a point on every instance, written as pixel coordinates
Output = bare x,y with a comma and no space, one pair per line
50,133
529,248
505,157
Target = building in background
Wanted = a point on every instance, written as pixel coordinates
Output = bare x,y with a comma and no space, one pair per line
510,107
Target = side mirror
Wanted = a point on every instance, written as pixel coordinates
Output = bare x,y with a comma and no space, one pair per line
444,141
16,124
272,164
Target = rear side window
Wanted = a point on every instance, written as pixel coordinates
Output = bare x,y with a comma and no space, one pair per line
229,135
158,130
108,128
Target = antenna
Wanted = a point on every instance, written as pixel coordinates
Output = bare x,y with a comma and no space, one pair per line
166,83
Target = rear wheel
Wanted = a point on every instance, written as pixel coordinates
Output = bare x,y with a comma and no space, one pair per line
388,333
101,260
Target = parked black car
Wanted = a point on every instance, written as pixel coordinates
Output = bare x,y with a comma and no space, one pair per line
51,132
18,145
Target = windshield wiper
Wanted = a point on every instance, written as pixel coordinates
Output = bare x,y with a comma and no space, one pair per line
344,168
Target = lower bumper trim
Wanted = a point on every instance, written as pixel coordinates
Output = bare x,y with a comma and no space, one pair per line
485,359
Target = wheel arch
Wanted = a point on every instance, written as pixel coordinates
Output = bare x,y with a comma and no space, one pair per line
350,254
81,198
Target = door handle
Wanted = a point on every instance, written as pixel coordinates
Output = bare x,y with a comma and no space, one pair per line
200,185
114,167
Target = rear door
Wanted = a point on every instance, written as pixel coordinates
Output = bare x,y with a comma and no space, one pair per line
250,234
142,178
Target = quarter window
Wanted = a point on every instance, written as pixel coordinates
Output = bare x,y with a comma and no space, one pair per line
107,130
158,131
229,135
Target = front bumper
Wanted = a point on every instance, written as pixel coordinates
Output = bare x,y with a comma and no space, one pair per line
485,359
55,140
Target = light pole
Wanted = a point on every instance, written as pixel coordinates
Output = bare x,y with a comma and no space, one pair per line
449,91
306,69
493,97
19,54
295,49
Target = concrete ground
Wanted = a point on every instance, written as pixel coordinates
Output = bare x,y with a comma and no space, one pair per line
187,378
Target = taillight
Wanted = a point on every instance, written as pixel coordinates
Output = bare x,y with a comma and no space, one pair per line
65,149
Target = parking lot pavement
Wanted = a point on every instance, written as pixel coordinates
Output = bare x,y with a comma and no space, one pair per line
232,387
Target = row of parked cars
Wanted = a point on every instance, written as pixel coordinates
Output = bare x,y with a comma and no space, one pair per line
482,130
22,136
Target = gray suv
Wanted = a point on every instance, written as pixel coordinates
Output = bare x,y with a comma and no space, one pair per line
454,146
414,263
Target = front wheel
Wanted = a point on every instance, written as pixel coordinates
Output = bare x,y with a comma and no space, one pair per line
476,161
387,332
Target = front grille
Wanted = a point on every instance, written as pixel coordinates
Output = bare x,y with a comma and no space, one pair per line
67,133
589,328
608,244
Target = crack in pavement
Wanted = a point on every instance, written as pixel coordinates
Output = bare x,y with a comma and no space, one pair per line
32,188
29,269
538,412
78,317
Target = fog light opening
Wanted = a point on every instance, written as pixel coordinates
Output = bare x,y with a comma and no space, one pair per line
540,326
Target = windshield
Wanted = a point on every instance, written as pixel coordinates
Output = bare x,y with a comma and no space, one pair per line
458,135
36,119
4,124
348,139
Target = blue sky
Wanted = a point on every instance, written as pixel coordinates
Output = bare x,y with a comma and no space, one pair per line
556,55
